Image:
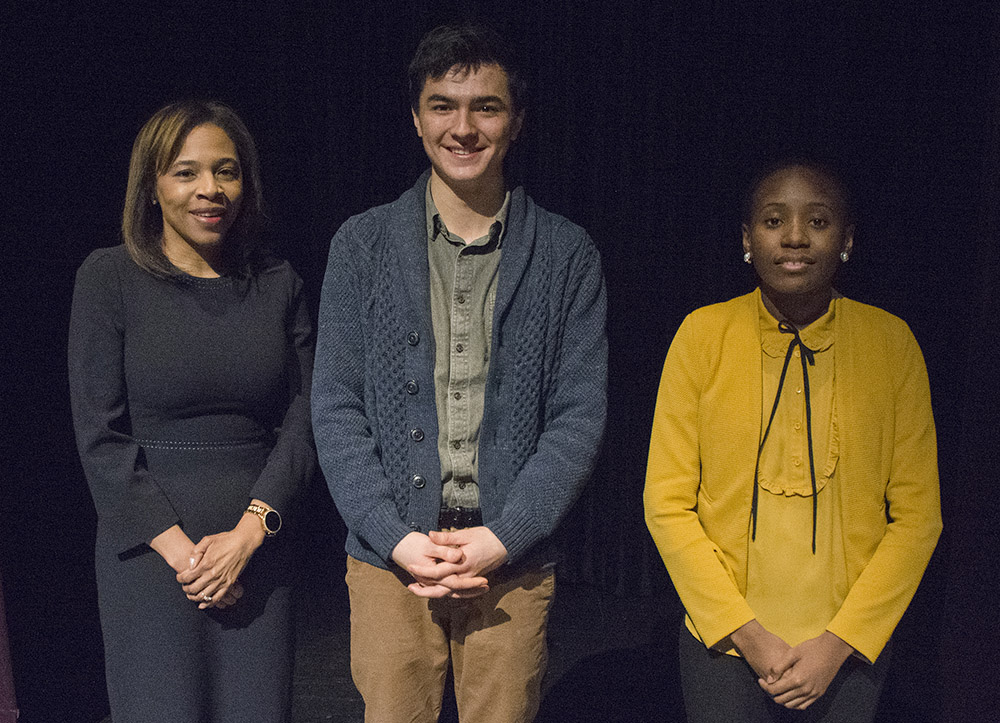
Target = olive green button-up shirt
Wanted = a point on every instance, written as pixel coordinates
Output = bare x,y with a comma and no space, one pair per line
463,284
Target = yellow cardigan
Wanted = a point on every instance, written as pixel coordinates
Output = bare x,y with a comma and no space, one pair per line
706,429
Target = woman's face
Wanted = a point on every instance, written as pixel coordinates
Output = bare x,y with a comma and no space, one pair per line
796,234
200,193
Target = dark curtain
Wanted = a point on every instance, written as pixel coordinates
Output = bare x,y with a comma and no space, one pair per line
644,123
970,631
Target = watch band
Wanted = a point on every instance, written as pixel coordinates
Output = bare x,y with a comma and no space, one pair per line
270,520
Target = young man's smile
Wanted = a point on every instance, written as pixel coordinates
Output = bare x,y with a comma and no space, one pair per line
467,123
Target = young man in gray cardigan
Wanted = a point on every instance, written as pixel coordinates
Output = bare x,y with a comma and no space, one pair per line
458,401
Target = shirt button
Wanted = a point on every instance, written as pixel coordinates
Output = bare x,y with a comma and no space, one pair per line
459,348
456,444
797,425
413,338
418,481
461,485
417,434
412,387
457,395
797,354
798,390
796,461
460,299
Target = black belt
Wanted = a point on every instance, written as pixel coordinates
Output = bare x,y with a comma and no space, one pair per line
457,518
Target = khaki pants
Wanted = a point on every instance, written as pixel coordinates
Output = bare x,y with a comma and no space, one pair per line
401,645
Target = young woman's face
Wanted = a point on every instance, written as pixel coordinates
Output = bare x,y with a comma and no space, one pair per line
200,193
796,233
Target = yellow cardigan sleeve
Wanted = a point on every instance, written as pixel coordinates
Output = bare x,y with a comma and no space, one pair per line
703,579
912,509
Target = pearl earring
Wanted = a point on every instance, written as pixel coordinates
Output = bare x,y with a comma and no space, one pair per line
844,256
746,257
154,200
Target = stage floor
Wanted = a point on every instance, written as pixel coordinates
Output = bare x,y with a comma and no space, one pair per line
610,659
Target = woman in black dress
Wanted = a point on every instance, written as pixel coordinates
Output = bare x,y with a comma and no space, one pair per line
190,358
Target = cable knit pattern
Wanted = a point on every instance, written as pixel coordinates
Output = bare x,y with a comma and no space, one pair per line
528,394
386,353
545,393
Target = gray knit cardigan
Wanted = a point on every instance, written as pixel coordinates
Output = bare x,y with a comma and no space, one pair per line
373,404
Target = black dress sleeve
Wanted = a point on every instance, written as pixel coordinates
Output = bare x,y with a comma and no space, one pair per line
125,494
292,462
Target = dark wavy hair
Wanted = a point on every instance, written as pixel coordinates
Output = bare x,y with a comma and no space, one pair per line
468,46
155,149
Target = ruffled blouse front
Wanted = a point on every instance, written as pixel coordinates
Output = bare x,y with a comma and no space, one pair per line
793,591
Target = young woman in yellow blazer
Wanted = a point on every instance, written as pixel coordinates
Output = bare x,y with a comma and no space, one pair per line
792,485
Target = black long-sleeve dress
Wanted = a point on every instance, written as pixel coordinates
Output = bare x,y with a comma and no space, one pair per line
190,397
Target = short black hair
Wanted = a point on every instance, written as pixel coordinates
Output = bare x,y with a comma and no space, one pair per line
468,46
826,169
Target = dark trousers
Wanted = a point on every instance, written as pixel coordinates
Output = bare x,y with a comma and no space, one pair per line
721,688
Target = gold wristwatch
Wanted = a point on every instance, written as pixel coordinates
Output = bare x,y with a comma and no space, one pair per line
270,520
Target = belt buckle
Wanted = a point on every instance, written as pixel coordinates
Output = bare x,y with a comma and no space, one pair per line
459,518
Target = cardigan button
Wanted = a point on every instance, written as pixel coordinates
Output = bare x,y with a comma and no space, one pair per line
415,527
412,387
418,481
413,338
417,434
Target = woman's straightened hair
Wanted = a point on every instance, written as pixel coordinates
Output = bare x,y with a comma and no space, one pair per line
155,149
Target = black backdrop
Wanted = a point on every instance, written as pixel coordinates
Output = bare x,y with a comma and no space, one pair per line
644,122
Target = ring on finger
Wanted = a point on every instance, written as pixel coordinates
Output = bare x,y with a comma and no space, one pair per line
206,598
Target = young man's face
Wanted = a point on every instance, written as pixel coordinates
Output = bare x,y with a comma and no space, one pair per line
466,123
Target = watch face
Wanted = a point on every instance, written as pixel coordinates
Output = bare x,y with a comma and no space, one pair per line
272,521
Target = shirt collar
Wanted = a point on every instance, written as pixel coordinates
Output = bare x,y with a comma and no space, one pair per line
818,336
436,225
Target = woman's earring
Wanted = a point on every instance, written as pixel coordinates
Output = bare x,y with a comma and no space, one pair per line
844,256
154,200
747,257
